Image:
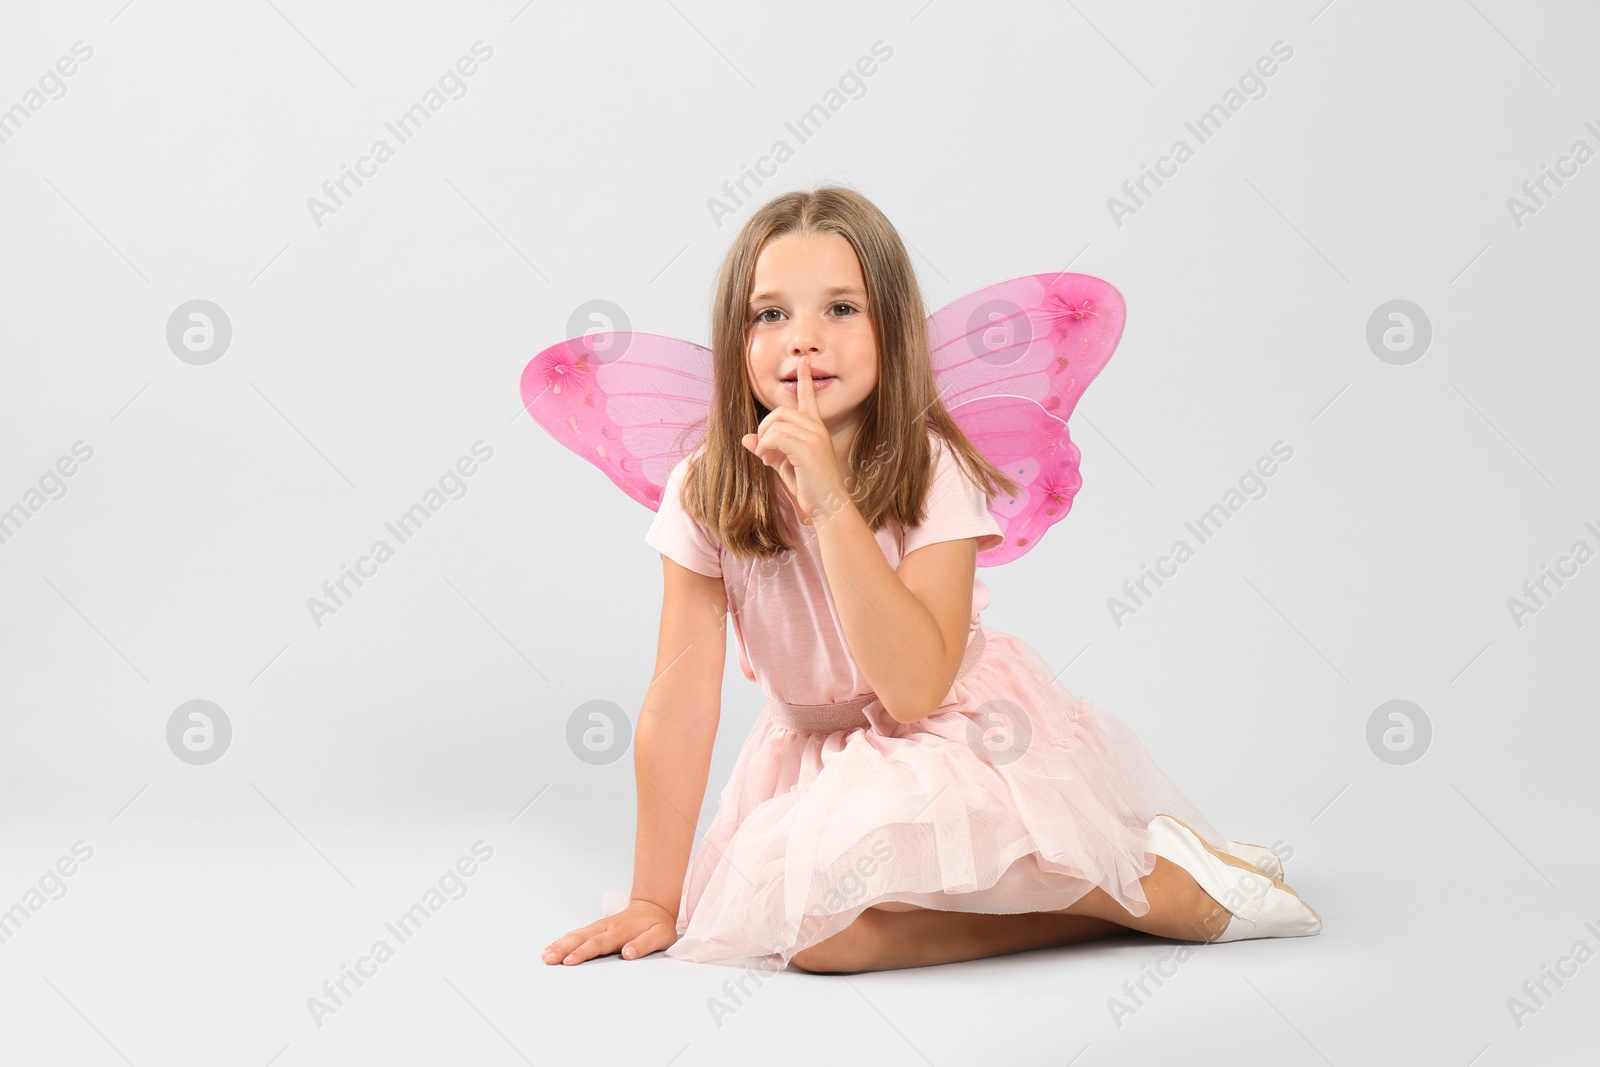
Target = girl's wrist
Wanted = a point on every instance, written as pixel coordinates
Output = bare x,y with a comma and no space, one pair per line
673,911
835,509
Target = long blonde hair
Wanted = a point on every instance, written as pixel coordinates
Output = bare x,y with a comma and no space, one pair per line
727,488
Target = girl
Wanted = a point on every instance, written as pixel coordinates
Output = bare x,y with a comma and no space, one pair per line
870,821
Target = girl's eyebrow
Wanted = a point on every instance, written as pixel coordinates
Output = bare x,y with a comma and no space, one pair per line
837,290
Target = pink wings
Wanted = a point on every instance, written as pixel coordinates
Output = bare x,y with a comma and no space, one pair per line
1010,361
633,404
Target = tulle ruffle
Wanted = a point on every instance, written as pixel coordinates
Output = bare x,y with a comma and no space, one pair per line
1016,796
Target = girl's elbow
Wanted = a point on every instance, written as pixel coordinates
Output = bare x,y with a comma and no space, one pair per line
914,711
917,707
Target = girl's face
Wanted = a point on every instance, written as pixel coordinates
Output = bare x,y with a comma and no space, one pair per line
808,297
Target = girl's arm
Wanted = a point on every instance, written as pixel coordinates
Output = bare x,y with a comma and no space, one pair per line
907,629
677,728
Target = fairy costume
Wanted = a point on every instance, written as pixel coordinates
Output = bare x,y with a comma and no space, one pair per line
1014,795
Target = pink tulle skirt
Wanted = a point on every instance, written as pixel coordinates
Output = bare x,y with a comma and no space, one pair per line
1015,797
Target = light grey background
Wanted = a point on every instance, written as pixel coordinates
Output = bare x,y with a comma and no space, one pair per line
369,353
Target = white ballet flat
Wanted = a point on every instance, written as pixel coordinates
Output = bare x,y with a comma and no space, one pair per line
1260,857
1259,905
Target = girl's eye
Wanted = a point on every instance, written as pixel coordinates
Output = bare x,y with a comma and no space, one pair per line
761,315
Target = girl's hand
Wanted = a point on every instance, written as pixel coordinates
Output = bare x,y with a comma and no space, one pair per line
640,929
796,443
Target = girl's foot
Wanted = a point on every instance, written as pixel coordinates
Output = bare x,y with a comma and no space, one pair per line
1260,857
1259,905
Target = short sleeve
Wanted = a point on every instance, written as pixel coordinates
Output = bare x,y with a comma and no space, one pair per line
678,535
956,508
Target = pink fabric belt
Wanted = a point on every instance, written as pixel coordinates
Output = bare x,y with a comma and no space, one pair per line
847,715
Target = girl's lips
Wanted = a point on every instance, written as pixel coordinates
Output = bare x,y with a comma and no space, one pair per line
817,385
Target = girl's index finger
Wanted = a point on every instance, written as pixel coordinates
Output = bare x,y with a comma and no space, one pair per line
805,391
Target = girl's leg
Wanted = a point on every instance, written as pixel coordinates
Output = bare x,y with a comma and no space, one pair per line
1179,908
923,937
893,935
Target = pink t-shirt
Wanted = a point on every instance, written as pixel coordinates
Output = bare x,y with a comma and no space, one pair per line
790,639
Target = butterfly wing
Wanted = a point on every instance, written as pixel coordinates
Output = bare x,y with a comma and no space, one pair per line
1033,448
1011,361
631,403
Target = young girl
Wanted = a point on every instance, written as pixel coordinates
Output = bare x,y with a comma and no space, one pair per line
872,820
